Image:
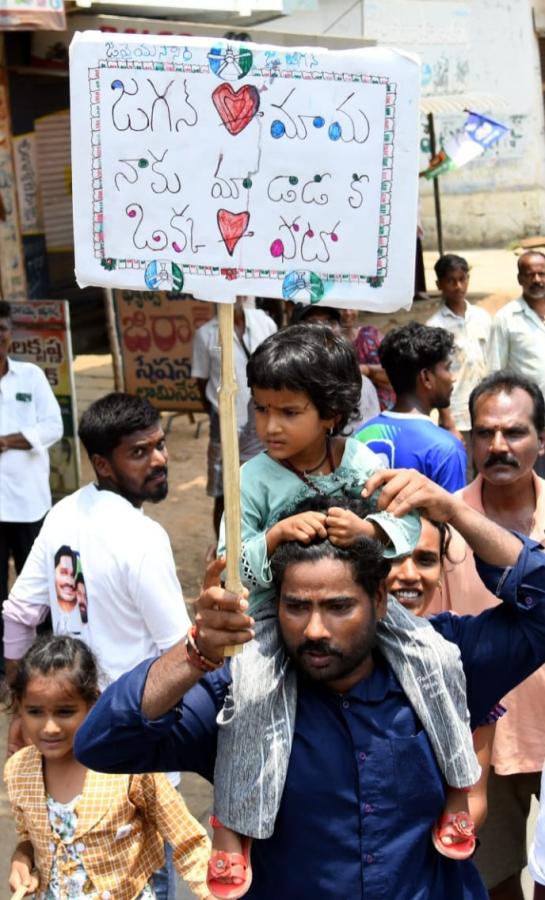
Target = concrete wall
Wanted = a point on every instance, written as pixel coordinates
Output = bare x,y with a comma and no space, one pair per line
468,46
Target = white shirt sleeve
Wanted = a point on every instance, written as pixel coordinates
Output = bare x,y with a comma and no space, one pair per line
48,428
27,604
200,356
499,344
536,856
157,593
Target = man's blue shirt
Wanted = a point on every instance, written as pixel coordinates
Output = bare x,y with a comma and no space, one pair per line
363,788
413,441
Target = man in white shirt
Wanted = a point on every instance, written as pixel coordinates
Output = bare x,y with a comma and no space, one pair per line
252,326
471,327
100,536
30,422
518,330
104,569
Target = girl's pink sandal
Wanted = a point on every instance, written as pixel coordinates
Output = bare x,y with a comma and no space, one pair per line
455,825
236,866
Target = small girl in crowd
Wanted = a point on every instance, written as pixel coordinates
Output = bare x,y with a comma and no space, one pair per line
305,384
81,833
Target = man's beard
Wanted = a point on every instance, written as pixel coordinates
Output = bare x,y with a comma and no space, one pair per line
150,492
157,492
341,663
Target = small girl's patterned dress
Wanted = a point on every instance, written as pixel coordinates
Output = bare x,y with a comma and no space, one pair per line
69,880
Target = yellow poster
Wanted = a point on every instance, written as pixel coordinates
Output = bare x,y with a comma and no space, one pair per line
41,335
156,334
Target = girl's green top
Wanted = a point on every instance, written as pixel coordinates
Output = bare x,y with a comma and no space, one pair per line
270,492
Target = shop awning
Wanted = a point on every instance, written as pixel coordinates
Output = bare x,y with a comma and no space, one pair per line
239,14
445,104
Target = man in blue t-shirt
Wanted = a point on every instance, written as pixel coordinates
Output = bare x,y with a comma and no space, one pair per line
417,360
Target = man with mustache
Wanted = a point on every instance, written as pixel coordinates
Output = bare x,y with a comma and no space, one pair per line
518,329
508,420
363,788
134,606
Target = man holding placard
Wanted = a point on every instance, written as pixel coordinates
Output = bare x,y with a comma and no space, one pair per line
363,788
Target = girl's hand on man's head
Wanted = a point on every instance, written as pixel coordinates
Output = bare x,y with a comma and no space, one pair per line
344,526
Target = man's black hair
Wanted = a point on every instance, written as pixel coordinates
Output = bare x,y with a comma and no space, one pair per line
506,381
303,311
314,360
65,550
365,556
5,309
361,506
405,351
449,262
111,418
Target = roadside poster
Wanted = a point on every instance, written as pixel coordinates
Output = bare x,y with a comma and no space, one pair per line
155,335
41,335
27,15
13,284
220,168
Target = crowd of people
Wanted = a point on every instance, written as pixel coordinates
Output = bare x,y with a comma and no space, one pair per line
381,734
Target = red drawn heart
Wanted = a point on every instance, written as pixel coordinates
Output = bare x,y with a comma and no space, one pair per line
236,108
232,226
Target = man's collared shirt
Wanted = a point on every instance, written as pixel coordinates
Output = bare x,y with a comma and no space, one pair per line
518,341
28,406
363,787
519,742
470,360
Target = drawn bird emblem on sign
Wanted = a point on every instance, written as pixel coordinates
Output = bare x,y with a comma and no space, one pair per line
232,227
236,109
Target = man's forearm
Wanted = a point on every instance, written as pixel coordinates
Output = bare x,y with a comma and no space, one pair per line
15,441
491,543
221,621
169,679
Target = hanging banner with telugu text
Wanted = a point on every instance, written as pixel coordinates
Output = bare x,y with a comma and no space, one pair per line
218,168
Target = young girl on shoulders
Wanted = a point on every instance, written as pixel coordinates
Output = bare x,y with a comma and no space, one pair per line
306,383
83,834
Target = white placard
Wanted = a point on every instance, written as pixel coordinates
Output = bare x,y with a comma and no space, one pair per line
222,169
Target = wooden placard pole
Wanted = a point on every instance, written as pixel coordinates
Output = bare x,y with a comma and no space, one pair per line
229,452
19,893
117,360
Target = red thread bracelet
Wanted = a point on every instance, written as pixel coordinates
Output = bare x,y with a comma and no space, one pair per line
193,660
195,656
